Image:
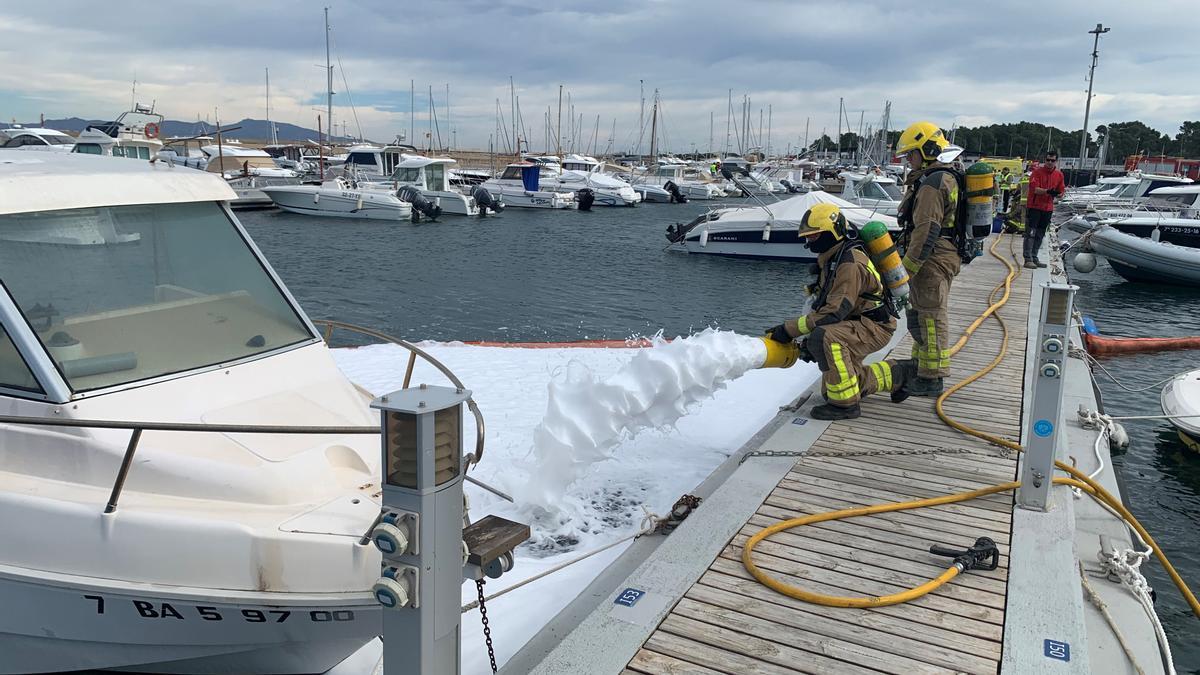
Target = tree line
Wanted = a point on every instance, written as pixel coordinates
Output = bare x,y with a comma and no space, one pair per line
1031,139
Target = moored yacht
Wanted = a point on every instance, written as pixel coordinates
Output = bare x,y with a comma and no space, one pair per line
519,186
429,176
35,138
133,135
216,547
578,172
340,198
872,190
766,232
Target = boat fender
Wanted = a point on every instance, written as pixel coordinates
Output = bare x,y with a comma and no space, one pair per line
1084,262
1089,326
704,238
1118,438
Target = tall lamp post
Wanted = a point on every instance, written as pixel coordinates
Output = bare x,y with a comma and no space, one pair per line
1087,106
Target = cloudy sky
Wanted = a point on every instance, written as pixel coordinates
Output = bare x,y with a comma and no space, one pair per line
966,63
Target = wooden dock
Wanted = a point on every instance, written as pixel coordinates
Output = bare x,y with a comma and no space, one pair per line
729,623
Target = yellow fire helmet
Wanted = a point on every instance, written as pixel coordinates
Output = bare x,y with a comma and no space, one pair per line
927,137
823,217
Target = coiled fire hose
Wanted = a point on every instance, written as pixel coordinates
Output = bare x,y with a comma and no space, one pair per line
1077,479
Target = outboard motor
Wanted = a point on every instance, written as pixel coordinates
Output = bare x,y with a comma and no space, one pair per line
787,184
677,196
585,197
677,233
420,205
728,175
485,201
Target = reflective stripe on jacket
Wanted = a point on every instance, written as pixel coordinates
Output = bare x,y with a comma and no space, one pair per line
855,289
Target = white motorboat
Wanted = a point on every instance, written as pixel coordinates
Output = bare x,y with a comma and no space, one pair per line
340,198
248,171
36,138
216,549
375,162
519,187
578,173
1181,396
133,135
1129,195
1146,258
739,172
768,232
664,175
1181,201
871,190
429,176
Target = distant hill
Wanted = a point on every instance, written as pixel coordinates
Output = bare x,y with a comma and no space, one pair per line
251,129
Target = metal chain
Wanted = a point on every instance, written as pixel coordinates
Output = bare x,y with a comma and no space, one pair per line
487,631
861,453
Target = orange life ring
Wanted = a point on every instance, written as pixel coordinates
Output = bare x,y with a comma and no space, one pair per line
151,130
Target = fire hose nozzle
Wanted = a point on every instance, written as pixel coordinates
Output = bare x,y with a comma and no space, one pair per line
780,354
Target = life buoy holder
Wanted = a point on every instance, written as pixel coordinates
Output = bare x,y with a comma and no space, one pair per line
151,130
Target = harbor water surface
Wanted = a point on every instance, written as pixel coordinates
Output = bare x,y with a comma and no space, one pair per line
533,275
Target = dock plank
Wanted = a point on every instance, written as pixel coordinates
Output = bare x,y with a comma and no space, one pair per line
728,622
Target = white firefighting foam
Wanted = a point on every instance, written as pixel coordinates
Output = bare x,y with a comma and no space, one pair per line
588,415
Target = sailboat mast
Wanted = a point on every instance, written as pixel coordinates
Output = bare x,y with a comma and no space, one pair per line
558,127
654,130
328,82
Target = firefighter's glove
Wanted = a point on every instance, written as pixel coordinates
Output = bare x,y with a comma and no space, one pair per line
779,334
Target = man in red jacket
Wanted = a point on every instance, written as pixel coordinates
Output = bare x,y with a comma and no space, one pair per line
1045,185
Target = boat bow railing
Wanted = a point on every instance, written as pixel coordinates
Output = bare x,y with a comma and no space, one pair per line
137,427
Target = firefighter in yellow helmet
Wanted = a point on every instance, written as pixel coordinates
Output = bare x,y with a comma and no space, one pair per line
850,318
928,214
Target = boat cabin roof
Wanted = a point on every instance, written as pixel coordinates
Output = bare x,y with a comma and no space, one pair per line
418,162
1177,190
858,176
36,181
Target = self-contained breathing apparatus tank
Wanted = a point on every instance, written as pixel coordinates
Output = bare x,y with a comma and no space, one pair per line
485,201
585,197
981,187
885,257
420,205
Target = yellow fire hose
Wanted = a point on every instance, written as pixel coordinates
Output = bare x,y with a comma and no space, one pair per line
1077,479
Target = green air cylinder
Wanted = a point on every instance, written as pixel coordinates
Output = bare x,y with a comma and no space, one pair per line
886,259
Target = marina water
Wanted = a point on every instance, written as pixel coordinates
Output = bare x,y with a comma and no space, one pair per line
554,276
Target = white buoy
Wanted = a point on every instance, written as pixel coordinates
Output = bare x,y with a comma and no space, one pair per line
1085,262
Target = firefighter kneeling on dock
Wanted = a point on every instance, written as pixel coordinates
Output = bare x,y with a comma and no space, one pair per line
851,317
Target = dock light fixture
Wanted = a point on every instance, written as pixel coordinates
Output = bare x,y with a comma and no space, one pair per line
1045,413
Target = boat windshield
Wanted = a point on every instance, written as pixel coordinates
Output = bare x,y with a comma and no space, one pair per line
1126,190
410,174
126,293
874,190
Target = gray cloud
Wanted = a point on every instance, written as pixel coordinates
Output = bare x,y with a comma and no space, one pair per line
954,62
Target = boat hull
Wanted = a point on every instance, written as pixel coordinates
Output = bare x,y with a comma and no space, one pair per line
334,203
749,243
67,624
1181,396
516,197
1141,259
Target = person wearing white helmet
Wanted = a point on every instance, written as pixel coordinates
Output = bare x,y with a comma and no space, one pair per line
928,214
